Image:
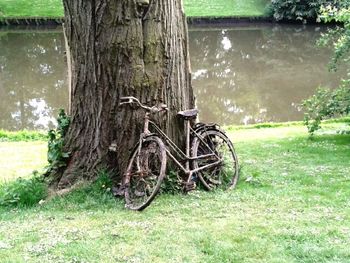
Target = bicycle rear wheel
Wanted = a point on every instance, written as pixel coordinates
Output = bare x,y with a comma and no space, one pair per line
145,173
224,175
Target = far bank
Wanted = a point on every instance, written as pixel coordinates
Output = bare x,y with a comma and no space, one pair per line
40,12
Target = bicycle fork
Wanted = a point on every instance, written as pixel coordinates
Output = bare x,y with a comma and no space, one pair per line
189,184
120,191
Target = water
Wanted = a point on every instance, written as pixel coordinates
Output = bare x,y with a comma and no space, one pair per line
33,83
257,73
241,74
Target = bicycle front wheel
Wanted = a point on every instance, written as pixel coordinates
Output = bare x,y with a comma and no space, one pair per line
145,173
225,174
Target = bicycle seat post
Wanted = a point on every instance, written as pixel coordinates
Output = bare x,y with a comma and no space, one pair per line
187,127
188,115
146,124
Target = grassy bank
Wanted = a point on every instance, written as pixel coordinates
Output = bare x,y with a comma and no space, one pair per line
291,205
225,8
24,135
193,8
30,8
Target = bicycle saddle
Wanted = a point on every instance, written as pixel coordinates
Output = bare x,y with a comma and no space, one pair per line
188,114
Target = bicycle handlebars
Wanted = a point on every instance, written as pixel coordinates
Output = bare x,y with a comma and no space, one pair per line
153,109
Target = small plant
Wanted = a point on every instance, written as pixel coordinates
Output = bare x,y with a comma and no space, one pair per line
326,104
172,183
101,185
56,156
23,192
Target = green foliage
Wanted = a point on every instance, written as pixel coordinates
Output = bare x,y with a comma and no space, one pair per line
338,38
56,156
24,135
23,192
172,183
302,10
101,186
326,104
330,103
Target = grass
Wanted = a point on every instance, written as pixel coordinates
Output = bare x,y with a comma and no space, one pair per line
24,135
19,159
291,205
342,120
225,8
193,8
31,8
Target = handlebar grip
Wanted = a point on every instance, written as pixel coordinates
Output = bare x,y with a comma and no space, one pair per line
154,109
164,107
127,100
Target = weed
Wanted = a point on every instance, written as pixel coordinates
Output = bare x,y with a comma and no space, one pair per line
23,192
172,183
56,156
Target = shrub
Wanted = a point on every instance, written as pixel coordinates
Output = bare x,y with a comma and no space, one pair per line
56,156
330,103
326,104
172,183
23,192
302,10
339,37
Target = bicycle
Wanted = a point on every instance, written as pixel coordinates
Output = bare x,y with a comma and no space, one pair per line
211,158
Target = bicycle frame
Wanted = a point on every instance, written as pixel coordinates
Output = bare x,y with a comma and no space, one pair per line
184,156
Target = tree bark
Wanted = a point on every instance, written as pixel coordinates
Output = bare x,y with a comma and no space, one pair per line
122,48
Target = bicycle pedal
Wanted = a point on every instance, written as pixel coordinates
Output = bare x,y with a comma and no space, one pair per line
118,191
139,194
190,186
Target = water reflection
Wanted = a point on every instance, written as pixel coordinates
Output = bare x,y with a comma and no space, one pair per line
32,79
244,74
257,73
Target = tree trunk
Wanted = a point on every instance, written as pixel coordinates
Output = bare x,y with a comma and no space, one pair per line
122,48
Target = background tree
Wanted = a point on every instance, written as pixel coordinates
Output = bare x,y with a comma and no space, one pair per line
329,103
117,48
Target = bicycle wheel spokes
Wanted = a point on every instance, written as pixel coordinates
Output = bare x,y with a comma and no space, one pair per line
225,173
145,173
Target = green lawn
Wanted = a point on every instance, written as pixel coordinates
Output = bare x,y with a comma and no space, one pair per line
222,8
193,8
291,205
31,8
19,159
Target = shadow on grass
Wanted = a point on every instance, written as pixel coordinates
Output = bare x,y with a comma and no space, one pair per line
337,139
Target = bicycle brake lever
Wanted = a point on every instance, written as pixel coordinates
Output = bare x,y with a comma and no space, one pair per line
126,100
164,107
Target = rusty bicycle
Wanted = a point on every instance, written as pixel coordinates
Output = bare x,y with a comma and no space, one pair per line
209,156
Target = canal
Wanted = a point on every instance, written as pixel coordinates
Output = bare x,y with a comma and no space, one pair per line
242,74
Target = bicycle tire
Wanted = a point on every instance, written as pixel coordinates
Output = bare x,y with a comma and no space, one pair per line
152,166
225,175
